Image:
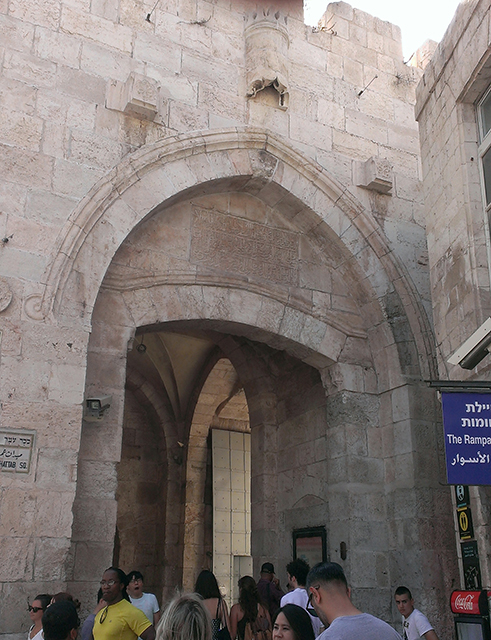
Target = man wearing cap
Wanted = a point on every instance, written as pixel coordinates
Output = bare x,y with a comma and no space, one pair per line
269,589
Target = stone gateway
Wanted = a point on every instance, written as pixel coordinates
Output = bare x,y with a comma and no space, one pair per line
212,216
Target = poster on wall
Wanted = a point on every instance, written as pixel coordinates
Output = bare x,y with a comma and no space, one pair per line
310,545
467,428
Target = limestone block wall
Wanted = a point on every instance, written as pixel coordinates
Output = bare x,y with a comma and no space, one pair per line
63,128
82,87
304,465
458,235
43,397
141,495
457,229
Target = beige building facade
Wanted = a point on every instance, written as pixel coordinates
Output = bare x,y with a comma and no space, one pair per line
213,224
451,111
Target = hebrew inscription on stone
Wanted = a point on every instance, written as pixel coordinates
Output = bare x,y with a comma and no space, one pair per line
15,450
224,242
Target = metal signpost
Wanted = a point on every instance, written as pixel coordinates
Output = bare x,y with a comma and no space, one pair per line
467,431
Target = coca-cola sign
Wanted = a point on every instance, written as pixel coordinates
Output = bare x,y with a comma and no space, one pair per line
467,602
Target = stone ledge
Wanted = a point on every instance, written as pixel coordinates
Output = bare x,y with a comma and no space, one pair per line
137,97
374,174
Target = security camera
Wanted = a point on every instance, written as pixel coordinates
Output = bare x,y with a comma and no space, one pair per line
96,406
474,349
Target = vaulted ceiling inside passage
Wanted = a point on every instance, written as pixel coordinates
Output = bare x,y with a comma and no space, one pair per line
176,366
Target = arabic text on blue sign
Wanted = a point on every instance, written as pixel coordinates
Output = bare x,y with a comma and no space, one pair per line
467,426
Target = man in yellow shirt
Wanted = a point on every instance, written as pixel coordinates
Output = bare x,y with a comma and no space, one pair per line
119,619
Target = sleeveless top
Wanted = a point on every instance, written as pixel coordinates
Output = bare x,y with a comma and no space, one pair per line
241,625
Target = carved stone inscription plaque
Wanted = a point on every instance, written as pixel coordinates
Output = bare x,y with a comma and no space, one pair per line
227,243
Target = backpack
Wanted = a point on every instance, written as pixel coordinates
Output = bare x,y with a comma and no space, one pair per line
259,629
260,634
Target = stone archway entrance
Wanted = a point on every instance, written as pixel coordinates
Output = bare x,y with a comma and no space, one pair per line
241,240
181,399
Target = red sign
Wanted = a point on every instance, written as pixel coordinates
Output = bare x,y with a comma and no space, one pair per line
467,602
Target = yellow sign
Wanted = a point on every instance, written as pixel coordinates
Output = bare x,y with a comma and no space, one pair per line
465,524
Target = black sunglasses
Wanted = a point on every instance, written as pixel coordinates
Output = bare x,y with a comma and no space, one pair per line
103,614
34,609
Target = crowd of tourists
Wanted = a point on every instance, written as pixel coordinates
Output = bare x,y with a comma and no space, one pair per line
318,605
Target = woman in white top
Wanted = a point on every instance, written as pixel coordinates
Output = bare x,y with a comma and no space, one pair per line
36,610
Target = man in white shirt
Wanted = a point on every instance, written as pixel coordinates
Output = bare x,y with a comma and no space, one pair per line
415,625
297,571
146,602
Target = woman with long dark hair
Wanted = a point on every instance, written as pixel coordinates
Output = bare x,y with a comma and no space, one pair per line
291,622
36,610
248,610
207,587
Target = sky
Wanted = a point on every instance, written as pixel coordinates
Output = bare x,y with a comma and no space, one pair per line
420,20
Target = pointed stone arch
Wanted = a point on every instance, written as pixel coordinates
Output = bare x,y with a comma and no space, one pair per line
214,392
83,289
247,159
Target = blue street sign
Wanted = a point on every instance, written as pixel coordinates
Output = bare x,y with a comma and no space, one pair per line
467,426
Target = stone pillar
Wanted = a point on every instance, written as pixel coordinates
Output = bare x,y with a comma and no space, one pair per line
95,507
267,43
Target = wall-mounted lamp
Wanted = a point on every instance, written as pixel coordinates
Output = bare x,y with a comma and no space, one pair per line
474,349
96,407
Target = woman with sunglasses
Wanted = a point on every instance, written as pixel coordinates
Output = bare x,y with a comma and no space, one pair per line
119,619
36,610
292,622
